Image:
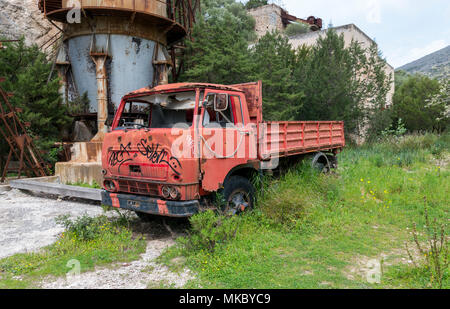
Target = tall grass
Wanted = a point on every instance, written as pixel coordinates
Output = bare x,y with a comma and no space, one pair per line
322,225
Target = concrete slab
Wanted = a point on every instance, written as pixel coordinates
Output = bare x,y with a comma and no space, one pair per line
74,172
50,185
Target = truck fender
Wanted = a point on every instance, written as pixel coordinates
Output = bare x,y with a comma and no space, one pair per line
245,170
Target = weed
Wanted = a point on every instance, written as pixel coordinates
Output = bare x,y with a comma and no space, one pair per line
94,185
435,253
307,228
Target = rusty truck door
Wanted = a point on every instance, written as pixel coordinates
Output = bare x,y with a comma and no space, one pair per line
224,138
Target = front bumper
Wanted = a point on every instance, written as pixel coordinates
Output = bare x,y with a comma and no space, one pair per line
150,205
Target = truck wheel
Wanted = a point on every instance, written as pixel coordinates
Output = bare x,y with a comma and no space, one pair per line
239,195
321,163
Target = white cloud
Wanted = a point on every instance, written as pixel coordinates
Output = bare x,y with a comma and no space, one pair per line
373,12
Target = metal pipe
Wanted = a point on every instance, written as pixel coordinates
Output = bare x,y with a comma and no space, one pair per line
102,90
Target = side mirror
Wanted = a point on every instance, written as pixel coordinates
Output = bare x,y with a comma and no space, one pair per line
221,102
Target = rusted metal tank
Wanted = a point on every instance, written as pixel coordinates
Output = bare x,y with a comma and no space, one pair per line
109,47
106,49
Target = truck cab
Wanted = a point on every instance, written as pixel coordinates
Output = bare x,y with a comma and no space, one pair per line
173,145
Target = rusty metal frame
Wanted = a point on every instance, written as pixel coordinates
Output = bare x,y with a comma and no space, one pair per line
20,143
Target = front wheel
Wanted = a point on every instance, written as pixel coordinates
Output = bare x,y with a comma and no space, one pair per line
239,195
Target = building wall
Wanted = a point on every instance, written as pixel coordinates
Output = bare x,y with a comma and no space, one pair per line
350,32
268,19
23,18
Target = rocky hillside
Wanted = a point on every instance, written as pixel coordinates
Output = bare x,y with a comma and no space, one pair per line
22,17
435,65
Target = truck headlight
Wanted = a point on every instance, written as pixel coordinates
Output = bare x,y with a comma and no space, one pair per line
170,192
110,186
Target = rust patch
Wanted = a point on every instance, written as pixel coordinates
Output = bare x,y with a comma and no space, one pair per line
115,200
162,208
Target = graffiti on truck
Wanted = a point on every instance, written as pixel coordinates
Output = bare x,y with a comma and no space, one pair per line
120,157
155,155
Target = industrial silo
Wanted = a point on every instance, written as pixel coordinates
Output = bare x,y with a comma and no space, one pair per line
108,48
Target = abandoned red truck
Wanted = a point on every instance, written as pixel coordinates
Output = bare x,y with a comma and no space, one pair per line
173,146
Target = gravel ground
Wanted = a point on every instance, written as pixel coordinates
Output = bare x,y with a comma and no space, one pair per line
135,275
27,222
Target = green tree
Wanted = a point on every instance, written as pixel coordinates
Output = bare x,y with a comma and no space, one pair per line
411,103
400,77
27,72
219,52
343,83
441,103
273,62
252,4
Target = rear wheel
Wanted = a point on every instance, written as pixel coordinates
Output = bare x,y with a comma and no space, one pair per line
239,195
321,163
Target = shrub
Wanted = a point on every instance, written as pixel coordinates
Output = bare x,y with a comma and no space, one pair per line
208,230
87,228
296,29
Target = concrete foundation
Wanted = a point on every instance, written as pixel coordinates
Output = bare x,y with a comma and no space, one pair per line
52,185
85,166
70,172
4,188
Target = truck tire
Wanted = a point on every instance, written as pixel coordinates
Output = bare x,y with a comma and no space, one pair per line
321,163
239,195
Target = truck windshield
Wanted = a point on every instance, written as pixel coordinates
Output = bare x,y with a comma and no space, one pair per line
159,111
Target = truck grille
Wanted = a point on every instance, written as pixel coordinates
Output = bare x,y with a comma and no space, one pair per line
138,187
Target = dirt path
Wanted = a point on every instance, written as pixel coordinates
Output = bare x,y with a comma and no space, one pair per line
140,274
27,222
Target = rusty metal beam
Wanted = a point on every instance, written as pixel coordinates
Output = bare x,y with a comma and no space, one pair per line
20,143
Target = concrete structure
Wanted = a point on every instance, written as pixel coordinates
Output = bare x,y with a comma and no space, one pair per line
52,185
272,17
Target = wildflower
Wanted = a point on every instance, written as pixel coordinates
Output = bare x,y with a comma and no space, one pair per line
362,180
369,182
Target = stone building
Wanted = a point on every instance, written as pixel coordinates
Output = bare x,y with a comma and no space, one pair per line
23,18
272,17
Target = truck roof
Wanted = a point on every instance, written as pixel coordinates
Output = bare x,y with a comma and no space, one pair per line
176,86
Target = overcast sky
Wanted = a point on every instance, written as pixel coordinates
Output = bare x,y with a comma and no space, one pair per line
405,30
